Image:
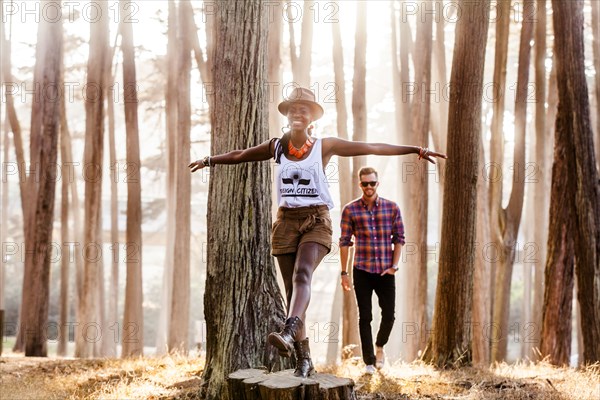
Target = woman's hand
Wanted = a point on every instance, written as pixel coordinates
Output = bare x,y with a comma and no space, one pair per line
427,154
196,165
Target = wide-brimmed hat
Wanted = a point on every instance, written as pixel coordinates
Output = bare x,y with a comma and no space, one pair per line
304,96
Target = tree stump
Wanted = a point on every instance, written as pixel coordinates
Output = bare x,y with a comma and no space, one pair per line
257,384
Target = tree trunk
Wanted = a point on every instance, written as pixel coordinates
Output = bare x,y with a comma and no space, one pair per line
93,161
542,189
112,316
180,298
558,289
31,183
63,337
497,138
574,120
596,52
242,301
171,166
347,301
4,228
359,107
450,342
402,103
439,120
481,273
416,196
35,309
509,219
133,318
274,72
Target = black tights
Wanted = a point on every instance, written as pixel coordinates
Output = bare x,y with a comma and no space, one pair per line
297,270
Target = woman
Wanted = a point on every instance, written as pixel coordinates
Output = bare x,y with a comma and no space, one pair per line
302,234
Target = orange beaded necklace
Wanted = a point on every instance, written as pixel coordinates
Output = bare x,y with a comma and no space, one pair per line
299,153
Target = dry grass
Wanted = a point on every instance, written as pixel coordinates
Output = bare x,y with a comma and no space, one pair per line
173,377
503,381
178,377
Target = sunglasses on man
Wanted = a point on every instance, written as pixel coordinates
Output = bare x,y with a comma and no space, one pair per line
371,183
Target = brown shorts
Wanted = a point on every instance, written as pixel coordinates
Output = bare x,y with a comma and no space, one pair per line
295,226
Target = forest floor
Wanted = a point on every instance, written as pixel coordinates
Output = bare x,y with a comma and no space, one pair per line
178,377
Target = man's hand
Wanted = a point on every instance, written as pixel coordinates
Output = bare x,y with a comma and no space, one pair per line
346,283
389,271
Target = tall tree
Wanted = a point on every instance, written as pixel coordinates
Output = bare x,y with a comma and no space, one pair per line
350,335
401,50
242,301
542,187
508,219
497,127
65,260
180,298
133,318
112,316
450,341
5,186
93,161
359,83
416,193
171,166
573,124
274,70
34,310
596,52
29,185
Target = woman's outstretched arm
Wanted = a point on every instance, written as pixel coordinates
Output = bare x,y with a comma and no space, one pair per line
346,148
262,152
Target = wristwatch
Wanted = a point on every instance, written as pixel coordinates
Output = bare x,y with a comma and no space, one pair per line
395,267
344,273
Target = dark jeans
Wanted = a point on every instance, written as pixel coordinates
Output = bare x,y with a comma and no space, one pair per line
385,289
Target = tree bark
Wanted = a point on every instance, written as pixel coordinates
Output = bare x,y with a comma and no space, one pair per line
347,299
542,188
242,302
274,71
359,107
509,219
402,105
497,140
65,262
31,183
574,120
450,342
93,161
171,166
481,274
112,316
35,307
596,52
133,318
416,192
180,298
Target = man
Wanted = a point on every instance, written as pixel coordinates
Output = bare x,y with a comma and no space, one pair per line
376,225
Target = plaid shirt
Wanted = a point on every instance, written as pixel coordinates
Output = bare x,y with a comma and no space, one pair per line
374,232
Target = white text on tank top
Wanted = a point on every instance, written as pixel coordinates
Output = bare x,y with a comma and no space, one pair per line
303,183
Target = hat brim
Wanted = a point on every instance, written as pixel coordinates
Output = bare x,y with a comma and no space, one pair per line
315,108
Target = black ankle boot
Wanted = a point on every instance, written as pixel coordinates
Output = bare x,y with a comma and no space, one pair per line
304,365
284,340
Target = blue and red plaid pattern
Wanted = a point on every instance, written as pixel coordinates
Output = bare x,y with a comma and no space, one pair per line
374,232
